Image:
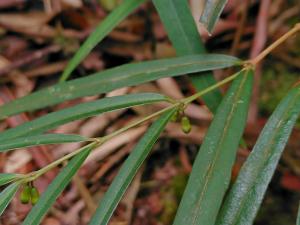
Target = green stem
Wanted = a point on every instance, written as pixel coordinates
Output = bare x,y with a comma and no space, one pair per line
100,140
34,175
136,123
205,91
95,142
274,45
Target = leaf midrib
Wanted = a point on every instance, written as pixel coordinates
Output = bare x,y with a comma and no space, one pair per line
210,168
117,78
90,84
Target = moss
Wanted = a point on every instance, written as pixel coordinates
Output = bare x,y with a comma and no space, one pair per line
178,184
275,83
171,197
170,207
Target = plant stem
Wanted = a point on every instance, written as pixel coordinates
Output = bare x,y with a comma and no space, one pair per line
184,101
136,123
263,54
34,175
95,142
100,140
197,95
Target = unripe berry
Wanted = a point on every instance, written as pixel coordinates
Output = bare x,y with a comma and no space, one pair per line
35,195
174,117
25,195
185,125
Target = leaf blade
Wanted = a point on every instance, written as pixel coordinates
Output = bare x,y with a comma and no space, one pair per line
6,178
109,23
43,139
79,111
184,35
111,79
260,165
216,156
211,13
7,195
128,170
52,192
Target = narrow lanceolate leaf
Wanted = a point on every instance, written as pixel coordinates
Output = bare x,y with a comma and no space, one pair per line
211,13
42,139
7,195
52,192
177,19
101,31
183,33
211,172
121,76
128,170
243,200
80,111
6,178
298,216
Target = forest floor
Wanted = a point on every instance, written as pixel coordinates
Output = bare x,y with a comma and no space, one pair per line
37,38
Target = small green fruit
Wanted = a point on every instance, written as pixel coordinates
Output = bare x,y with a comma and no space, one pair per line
185,125
109,5
25,195
35,195
175,116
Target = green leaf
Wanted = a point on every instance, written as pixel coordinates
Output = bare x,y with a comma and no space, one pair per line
177,19
101,31
211,172
48,198
244,199
6,178
7,195
111,79
211,13
80,111
128,170
298,216
183,33
43,139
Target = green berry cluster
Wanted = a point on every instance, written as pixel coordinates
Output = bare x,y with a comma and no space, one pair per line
29,194
184,120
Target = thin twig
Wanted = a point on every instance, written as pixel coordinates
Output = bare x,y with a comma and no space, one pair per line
96,142
85,194
10,3
240,29
30,58
283,38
